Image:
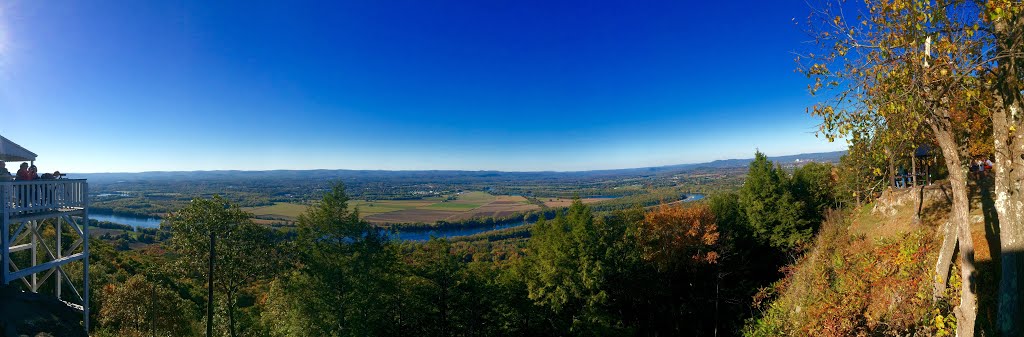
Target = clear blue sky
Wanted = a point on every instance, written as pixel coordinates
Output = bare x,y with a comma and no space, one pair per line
125,86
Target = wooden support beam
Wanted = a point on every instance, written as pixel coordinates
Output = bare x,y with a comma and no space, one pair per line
46,265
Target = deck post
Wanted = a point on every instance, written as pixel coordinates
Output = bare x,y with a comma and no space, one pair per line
33,227
5,232
85,249
60,254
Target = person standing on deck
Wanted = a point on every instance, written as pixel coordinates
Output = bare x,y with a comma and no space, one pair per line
4,173
33,173
23,173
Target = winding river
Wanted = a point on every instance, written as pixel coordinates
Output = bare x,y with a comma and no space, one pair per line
407,235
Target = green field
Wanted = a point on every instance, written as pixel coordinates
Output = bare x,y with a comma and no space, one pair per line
281,209
478,198
463,202
384,206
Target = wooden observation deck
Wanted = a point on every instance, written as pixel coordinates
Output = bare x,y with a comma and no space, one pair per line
32,254
45,233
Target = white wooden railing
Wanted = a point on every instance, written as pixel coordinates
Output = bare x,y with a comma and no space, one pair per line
41,195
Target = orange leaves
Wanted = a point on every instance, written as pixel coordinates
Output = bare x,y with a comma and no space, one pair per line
676,235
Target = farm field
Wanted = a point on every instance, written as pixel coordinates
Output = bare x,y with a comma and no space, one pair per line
411,216
562,202
367,208
283,210
502,206
463,206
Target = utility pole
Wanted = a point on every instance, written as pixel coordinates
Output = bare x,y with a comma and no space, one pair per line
209,287
152,308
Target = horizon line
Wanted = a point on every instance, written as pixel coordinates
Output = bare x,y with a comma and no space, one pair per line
460,170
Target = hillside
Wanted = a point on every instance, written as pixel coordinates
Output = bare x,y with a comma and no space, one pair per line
870,273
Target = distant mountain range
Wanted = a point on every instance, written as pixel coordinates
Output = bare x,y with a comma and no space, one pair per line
792,160
798,159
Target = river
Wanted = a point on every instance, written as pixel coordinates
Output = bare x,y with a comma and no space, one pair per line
407,235
130,220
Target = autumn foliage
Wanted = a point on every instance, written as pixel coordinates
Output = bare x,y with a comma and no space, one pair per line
674,234
853,285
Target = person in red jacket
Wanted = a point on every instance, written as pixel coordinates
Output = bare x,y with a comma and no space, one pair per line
23,172
28,174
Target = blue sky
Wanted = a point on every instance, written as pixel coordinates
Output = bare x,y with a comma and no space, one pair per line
126,86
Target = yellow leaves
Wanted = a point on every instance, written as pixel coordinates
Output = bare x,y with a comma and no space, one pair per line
837,20
971,30
818,69
996,14
944,325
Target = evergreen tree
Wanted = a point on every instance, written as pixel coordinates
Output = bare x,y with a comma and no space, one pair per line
565,270
348,271
774,215
813,185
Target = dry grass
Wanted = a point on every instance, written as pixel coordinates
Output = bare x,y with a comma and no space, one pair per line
872,274
512,198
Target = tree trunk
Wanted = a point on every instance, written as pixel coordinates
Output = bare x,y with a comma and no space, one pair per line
152,308
718,281
967,311
913,168
1008,133
1009,204
231,312
945,260
892,168
209,287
